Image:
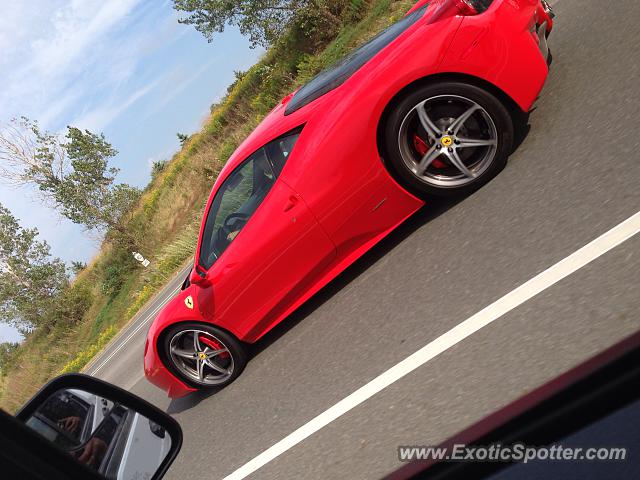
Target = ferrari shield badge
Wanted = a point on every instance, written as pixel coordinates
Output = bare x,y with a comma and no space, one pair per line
189,302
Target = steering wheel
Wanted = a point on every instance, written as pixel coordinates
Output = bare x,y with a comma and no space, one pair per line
228,227
238,215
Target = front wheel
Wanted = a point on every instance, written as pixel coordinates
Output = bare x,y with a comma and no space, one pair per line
446,139
203,356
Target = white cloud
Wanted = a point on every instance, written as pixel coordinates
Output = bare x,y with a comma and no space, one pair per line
97,119
74,30
12,29
55,108
177,82
55,54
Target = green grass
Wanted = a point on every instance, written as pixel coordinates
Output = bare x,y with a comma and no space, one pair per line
85,356
110,291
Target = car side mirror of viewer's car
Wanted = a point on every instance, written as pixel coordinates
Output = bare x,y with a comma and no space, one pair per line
107,432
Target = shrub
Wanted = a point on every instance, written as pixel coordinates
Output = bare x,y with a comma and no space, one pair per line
87,354
157,168
72,304
115,270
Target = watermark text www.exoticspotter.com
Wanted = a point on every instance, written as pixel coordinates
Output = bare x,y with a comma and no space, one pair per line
510,453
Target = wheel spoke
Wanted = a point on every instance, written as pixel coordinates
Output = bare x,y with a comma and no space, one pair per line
459,164
427,160
460,121
198,363
473,142
217,367
432,130
451,132
214,353
183,353
200,369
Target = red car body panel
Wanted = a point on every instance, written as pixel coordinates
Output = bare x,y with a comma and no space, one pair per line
501,47
311,227
175,311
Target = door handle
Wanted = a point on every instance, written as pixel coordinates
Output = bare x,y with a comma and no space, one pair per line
291,203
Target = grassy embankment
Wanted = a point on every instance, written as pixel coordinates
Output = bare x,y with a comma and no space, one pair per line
114,287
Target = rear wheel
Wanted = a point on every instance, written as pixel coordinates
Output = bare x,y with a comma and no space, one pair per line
447,139
202,355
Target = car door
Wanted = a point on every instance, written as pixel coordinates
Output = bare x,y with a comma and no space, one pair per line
276,249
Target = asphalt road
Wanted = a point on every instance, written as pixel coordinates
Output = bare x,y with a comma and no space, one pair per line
574,177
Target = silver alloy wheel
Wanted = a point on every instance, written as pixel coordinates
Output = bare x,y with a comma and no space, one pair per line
461,140
201,357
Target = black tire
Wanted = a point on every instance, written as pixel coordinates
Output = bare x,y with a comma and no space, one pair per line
235,348
405,107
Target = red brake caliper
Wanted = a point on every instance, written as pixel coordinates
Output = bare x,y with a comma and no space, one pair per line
213,344
422,148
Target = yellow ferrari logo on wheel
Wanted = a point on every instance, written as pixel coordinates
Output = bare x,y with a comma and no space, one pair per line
446,141
202,356
189,302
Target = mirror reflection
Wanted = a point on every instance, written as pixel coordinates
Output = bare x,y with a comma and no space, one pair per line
112,439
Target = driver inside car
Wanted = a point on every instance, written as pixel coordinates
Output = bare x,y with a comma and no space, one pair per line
259,186
238,199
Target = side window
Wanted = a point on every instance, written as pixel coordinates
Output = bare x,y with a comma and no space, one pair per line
235,203
280,149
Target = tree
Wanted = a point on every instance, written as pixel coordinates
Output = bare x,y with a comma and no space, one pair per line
73,175
263,21
30,280
6,352
182,138
77,267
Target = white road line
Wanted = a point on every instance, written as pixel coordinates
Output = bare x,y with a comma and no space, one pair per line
489,314
137,329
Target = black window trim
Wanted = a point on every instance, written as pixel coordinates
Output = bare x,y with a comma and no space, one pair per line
274,167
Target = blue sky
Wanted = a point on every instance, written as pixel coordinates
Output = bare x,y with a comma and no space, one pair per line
123,67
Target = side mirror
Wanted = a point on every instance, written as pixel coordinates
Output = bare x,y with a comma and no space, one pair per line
113,432
197,278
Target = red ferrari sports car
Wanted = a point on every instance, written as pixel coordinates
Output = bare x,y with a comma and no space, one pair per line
427,108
